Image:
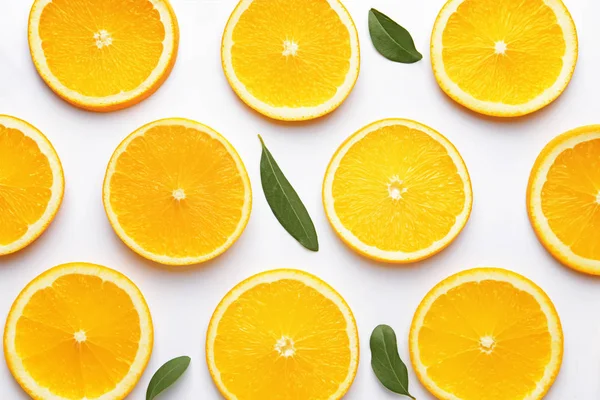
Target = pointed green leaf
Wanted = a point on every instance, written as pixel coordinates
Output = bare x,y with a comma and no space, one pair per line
285,203
391,40
386,362
166,375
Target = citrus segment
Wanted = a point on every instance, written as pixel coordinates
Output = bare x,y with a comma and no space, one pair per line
103,55
397,191
563,198
486,333
504,58
177,192
293,328
31,184
78,331
291,59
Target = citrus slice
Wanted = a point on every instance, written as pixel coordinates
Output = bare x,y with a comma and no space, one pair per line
78,332
397,191
563,198
177,192
103,55
506,58
282,334
291,59
486,333
32,184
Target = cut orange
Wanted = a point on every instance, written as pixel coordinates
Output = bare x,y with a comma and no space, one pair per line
486,333
177,192
103,55
282,334
32,184
291,59
504,58
397,191
78,332
563,198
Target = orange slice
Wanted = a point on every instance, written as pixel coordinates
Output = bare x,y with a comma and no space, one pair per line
177,192
397,191
78,332
563,198
504,58
32,184
486,333
103,55
291,59
282,334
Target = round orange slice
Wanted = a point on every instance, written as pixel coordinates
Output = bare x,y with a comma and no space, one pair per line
177,192
32,184
78,332
504,58
486,333
103,55
291,59
397,191
563,198
282,334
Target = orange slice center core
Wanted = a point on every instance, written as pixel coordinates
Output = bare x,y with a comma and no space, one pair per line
396,188
103,38
487,344
285,347
290,48
598,198
500,47
80,336
179,194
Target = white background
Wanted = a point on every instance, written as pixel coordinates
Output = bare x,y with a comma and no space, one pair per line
498,153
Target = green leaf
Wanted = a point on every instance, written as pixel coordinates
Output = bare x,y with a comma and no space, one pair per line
285,203
166,375
391,40
385,361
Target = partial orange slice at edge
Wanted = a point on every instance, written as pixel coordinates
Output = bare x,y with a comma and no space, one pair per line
282,331
563,198
78,331
103,55
31,184
486,333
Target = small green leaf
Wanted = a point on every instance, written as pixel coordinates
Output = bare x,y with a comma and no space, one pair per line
385,361
285,203
166,375
391,40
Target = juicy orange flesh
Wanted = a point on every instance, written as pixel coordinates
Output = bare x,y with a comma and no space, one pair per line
396,161
571,198
245,350
532,60
45,336
270,28
25,184
100,48
152,175
456,330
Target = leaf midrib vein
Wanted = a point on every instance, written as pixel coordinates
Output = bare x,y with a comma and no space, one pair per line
268,156
390,362
390,36
152,392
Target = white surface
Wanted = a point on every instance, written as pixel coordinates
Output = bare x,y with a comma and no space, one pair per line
498,153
